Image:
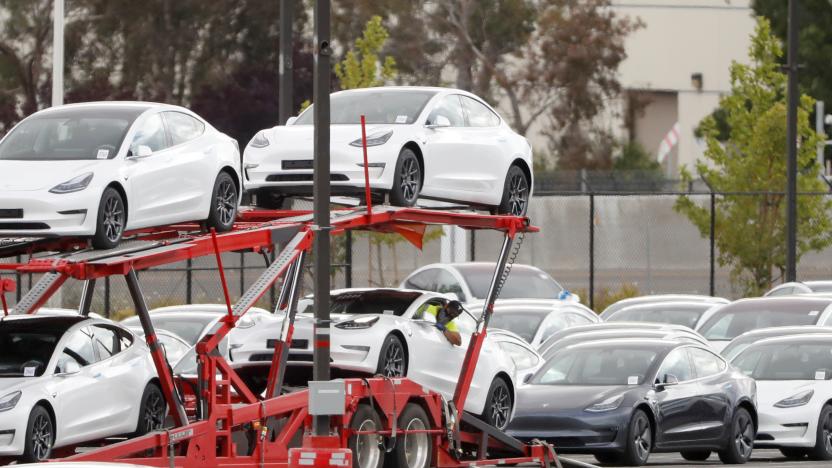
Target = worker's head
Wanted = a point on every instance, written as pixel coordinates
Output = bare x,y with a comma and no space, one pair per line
454,309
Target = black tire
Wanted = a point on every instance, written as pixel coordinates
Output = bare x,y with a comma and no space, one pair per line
741,441
696,455
607,458
498,404
366,450
823,443
407,180
516,191
269,200
412,450
111,220
152,411
639,441
224,200
392,360
794,452
40,436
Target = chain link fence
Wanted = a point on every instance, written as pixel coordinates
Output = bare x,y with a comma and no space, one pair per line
599,245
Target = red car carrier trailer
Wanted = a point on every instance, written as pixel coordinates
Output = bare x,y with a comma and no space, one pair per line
229,424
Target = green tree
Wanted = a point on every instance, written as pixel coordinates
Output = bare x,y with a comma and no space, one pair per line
750,230
363,67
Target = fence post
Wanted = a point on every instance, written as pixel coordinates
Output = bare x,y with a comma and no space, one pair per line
189,282
591,250
348,259
712,246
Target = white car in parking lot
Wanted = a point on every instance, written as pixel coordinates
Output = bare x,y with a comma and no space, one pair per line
383,331
794,393
99,169
535,321
436,143
70,379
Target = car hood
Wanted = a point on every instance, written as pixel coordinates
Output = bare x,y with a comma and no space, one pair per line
338,134
9,385
26,176
536,399
770,392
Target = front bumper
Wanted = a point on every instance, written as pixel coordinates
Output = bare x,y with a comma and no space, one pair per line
47,214
12,431
572,431
786,427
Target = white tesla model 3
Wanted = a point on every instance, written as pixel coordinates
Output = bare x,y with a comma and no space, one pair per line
794,392
70,379
381,331
98,169
437,143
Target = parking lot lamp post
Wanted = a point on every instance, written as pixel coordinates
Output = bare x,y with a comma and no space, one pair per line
791,142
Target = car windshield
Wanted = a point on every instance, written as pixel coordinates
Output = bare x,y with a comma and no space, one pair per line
687,315
26,351
787,361
188,328
595,365
377,106
524,324
734,320
69,135
380,302
522,283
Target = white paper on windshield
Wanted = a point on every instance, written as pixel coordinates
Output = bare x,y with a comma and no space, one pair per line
29,371
632,380
102,154
820,375
401,119
389,312
813,313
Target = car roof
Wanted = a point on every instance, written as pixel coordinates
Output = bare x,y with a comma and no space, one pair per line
122,105
199,308
786,302
788,330
53,322
659,344
487,266
435,89
654,298
801,338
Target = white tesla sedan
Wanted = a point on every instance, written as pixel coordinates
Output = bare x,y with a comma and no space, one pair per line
794,393
99,169
70,379
381,331
437,143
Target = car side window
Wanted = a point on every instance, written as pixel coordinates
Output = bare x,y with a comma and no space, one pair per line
106,341
522,357
79,347
425,280
553,324
125,339
183,127
447,283
706,363
448,108
151,133
677,364
478,114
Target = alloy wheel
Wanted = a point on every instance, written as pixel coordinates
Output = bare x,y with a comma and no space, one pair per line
744,436
643,438
154,412
409,183
518,195
366,446
113,222
826,433
500,406
41,437
416,446
394,361
226,202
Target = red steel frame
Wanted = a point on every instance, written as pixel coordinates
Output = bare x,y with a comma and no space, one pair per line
274,423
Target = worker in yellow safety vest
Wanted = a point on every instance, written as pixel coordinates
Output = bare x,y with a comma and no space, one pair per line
445,315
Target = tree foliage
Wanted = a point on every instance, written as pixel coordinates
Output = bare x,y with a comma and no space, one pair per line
363,67
753,159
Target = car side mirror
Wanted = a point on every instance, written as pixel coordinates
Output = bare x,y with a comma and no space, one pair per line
291,120
140,151
70,368
668,381
440,121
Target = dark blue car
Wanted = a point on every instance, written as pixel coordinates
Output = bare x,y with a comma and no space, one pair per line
621,399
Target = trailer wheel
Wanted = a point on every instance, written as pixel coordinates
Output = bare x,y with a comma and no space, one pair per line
223,204
152,411
412,450
366,450
40,435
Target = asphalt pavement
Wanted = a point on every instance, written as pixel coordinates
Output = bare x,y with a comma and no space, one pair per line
760,457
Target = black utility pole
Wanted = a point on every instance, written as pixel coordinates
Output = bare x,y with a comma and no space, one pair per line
320,246
285,95
791,142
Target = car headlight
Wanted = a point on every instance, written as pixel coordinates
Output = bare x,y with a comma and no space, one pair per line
9,401
259,141
74,184
795,400
357,324
607,405
374,139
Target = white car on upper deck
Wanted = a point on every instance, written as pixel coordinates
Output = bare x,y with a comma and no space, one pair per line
437,143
